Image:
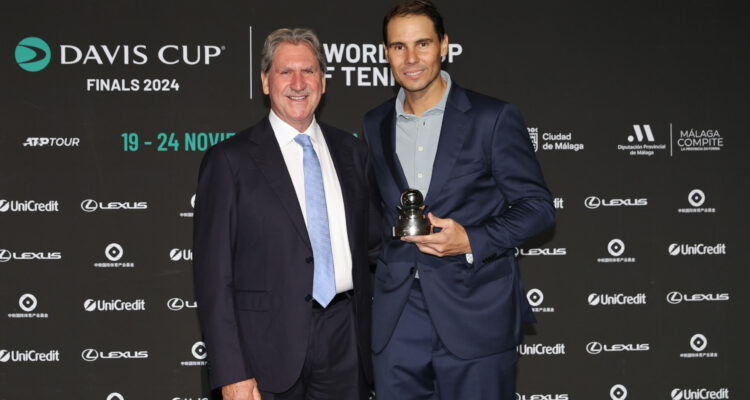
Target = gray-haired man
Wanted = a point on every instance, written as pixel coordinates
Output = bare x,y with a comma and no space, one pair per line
281,244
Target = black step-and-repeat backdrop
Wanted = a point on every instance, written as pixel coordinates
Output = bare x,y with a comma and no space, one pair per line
636,112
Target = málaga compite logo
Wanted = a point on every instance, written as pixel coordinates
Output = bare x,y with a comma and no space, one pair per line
33,54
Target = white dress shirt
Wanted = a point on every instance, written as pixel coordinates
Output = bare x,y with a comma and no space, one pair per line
292,152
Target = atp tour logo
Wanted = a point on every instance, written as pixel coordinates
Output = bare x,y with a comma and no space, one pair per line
616,248
618,392
641,142
181,254
114,253
177,304
677,297
595,348
594,202
90,205
199,353
33,54
699,394
189,214
696,198
28,304
698,343
536,298
698,249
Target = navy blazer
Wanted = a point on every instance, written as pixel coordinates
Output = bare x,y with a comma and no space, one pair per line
252,256
486,177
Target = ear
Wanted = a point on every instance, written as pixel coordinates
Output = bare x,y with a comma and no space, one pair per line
264,80
444,46
322,82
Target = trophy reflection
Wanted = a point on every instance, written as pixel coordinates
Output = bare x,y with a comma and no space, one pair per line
411,218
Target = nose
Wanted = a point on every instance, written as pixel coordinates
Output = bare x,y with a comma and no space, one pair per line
298,82
411,56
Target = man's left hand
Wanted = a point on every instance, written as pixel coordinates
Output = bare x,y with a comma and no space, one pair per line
452,240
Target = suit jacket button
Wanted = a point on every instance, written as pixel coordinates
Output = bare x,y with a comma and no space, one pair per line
308,298
411,271
309,260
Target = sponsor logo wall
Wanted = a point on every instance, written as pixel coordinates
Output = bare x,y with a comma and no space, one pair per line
108,110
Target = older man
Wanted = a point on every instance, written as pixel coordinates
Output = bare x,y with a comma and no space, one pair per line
281,243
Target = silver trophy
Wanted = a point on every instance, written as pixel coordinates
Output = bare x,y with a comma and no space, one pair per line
411,218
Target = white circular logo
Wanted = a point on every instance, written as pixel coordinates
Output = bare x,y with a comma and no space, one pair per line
175,304
90,355
175,254
698,342
27,302
199,350
5,255
4,355
89,305
594,299
592,202
115,396
616,247
618,392
676,394
674,249
4,205
113,252
696,197
192,201
594,348
535,297
89,205
674,298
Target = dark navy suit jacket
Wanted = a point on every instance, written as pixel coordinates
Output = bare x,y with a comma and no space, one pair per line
252,262
486,177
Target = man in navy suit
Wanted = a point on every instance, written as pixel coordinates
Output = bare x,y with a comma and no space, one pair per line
448,307
281,244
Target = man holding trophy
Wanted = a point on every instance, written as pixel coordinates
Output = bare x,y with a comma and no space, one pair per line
448,306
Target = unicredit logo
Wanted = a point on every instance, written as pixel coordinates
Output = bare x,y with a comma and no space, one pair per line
29,206
90,205
676,249
596,299
181,254
114,305
593,202
677,297
699,394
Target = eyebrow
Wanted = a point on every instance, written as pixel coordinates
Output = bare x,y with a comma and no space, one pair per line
416,41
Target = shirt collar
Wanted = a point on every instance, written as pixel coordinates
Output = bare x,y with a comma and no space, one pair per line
440,106
285,133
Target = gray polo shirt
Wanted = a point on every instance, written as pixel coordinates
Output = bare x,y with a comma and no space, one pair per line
417,139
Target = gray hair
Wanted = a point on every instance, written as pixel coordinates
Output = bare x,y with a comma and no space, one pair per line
293,36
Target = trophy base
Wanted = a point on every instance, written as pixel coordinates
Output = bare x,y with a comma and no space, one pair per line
411,230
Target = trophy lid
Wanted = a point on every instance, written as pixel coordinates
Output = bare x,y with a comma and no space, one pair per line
411,198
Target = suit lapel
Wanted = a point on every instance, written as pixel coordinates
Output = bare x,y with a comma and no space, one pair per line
456,124
265,151
388,135
340,153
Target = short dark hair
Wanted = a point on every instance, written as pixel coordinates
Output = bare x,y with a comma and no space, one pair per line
415,7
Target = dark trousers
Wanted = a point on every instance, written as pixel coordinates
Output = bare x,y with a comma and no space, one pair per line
416,365
331,370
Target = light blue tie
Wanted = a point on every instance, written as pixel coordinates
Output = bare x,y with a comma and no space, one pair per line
324,283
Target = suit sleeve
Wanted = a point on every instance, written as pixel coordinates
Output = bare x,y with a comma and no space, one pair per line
529,208
213,244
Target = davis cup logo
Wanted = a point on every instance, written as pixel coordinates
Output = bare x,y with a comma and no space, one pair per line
616,247
696,197
618,392
698,342
113,252
33,54
199,351
27,302
90,355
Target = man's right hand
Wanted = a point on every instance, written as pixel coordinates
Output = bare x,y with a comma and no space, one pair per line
245,390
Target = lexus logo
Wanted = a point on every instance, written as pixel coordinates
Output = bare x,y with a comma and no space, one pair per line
5,255
27,302
616,247
592,202
698,342
90,355
594,348
696,197
89,205
674,298
535,297
113,252
175,304
199,350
